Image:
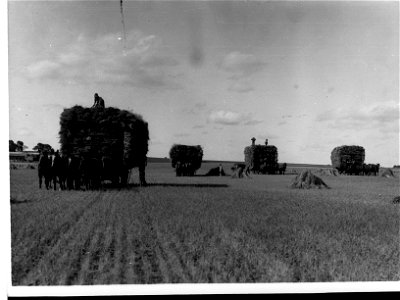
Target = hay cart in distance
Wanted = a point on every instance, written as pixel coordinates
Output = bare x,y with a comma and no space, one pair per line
117,140
185,159
348,159
261,158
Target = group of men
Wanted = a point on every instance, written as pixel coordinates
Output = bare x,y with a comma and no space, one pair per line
75,172
57,168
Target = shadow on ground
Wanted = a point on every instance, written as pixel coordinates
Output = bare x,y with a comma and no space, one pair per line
199,185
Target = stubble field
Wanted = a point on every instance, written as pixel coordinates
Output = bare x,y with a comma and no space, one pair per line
205,229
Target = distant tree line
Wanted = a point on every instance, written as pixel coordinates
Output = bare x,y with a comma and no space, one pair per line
16,147
19,146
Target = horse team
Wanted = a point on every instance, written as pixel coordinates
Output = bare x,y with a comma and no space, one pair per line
79,172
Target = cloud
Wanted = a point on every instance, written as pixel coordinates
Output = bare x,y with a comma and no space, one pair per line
195,109
44,69
241,86
178,135
105,60
231,118
241,66
383,116
53,106
198,127
281,123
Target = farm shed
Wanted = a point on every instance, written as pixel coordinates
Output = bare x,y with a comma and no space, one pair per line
98,133
348,159
185,159
261,158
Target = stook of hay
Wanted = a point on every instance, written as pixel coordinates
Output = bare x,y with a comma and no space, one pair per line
186,158
327,172
107,132
262,158
396,200
215,172
348,159
388,173
307,180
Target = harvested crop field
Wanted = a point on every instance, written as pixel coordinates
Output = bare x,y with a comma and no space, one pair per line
205,229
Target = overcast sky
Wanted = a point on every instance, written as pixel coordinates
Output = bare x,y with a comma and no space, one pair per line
309,76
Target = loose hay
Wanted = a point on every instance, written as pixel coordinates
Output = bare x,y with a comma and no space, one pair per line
307,180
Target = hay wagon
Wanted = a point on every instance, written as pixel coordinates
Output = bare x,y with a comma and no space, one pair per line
116,138
185,159
261,158
348,159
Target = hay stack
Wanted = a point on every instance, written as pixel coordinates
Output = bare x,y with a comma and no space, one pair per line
262,158
307,180
388,173
186,159
348,159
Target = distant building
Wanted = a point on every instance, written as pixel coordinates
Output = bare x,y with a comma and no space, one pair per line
25,156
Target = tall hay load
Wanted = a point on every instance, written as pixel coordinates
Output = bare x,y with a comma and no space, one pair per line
261,158
186,160
119,136
348,159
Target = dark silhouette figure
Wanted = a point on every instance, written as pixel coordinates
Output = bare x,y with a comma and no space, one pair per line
44,170
57,169
73,176
98,101
282,168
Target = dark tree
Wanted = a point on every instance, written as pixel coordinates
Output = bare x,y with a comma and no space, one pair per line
43,147
12,147
20,146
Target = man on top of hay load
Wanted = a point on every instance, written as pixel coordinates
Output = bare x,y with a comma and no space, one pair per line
98,101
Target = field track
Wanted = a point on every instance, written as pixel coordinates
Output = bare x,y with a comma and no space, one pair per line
205,229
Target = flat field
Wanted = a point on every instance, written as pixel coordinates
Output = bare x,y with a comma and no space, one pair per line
205,229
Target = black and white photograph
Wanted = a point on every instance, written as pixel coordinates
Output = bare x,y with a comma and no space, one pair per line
167,147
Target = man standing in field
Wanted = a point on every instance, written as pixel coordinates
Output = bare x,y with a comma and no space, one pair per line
44,170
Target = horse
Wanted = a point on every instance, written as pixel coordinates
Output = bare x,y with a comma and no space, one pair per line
73,174
371,168
90,169
282,168
114,170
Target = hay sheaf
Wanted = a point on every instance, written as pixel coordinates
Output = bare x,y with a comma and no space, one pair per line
388,173
307,180
108,132
327,172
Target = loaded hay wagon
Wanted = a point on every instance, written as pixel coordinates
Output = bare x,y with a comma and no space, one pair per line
186,160
117,140
348,159
261,158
